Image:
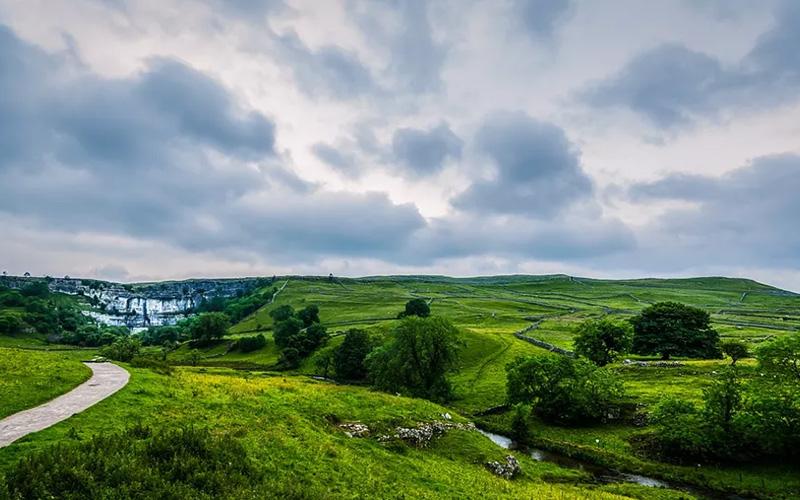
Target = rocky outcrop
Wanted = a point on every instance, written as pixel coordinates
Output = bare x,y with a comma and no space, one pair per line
141,305
505,470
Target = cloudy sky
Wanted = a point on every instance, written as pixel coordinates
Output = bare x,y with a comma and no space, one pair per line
156,139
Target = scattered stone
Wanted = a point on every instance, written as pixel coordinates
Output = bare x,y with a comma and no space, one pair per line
355,429
656,364
447,416
506,470
423,434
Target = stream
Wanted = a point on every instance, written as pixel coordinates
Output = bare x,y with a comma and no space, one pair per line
599,473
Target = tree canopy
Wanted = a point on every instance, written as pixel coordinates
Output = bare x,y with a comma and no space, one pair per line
416,307
601,341
675,329
209,326
349,357
417,358
563,390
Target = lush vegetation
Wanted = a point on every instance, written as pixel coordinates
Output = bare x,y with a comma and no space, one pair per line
563,390
675,329
417,358
634,430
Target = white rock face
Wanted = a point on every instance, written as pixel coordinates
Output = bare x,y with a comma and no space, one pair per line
148,305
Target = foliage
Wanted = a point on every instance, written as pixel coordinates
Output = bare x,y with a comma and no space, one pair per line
237,308
281,313
35,310
138,463
299,331
285,330
206,327
153,364
417,358
349,357
562,390
675,329
309,315
601,341
781,357
416,307
122,349
323,362
520,431
737,422
250,344
164,335
736,350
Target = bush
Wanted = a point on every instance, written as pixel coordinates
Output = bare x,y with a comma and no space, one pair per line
422,351
138,463
562,390
286,329
123,349
250,344
349,358
601,341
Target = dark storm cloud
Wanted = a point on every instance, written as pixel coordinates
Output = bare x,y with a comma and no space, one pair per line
745,217
538,171
328,71
672,86
167,155
425,151
540,18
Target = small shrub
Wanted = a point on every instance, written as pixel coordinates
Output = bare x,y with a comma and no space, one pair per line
153,364
250,344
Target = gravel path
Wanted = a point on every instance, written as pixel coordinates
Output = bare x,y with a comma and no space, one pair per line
107,378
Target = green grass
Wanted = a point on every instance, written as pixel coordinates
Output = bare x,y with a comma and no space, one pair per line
29,378
282,418
287,425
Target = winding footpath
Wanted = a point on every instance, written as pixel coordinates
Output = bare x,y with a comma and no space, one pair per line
107,378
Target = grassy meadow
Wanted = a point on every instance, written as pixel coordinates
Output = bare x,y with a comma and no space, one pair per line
31,377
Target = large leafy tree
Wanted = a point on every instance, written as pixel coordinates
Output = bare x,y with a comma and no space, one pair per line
417,359
209,326
601,341
563,390
416,307
675,329
349,357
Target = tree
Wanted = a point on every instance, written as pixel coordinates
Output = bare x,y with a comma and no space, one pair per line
736,350
286,329
674,329
123,349
309,315
417,358
416,307
323,362
563,390
781,357
601,341
209,326
349,357
281,313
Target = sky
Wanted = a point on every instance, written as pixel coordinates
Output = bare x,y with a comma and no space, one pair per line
164,139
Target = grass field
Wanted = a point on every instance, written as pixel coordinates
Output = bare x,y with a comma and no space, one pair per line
283,417
29,378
